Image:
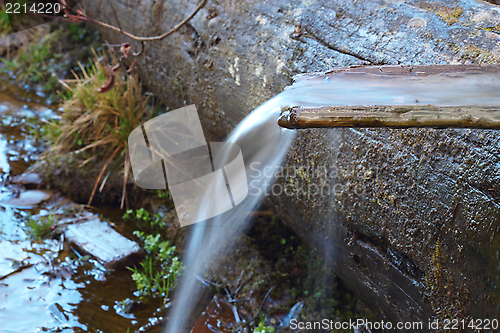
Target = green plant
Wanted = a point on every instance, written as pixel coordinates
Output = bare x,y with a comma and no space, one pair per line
163,194
160,268
157,273
40,227
4,22
32,61
37,62
262,327
140,214
143,218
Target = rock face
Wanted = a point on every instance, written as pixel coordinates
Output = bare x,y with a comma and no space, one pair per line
413,222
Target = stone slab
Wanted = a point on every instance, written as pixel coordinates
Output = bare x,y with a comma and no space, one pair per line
98,239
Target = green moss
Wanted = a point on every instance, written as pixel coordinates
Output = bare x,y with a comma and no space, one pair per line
450,14
300,274
446,300
475,54
40,227
4,22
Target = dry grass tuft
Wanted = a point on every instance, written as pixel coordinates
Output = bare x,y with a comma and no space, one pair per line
98,124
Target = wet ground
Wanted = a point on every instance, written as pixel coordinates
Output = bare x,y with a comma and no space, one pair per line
44,284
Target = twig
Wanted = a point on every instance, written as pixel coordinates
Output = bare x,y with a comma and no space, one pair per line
207,283
454,216
116,17
125,179
140,52
101,174
354,238
73,220
143,39
265,297
230,298
19,269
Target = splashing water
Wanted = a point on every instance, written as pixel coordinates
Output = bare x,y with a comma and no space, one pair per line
264,146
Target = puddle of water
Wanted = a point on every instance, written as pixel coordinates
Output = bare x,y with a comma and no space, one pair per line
32,295
44,285
32,298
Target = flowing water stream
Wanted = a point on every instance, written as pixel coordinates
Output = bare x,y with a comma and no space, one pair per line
264,146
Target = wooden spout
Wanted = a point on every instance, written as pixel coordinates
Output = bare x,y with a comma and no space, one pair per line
400,116
438,96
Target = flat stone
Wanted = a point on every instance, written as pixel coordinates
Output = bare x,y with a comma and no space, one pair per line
98,239
27,199
28,179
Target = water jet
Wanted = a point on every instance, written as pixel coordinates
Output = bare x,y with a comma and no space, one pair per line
382,239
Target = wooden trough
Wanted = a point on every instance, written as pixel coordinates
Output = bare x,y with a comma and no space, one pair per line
439,96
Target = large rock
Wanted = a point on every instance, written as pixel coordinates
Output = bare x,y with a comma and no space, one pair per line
414,226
